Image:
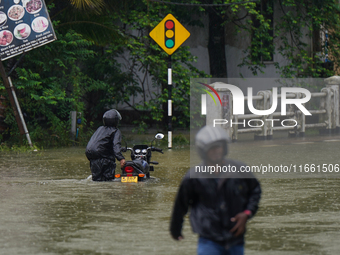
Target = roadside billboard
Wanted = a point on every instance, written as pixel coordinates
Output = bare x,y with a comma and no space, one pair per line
24,25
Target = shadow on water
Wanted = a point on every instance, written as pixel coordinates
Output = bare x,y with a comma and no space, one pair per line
49,207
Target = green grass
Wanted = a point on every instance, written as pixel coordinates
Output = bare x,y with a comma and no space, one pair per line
17,148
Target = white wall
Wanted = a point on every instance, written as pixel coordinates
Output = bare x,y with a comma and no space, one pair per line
198,43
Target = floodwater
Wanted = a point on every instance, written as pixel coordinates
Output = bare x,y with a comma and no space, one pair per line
48,206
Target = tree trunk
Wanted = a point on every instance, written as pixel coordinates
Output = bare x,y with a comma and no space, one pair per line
216,46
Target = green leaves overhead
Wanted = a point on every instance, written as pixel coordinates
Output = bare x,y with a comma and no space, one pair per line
89,5
91,18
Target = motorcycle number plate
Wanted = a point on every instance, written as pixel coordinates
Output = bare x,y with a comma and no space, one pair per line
129,179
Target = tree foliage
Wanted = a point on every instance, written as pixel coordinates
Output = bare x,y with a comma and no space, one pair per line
78,73
303,33
104,57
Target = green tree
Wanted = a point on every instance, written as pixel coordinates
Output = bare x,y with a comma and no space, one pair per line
300,25
297,24
146,67
81,72
49,85
104,56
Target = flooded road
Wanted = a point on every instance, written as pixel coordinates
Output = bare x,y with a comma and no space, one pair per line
47,206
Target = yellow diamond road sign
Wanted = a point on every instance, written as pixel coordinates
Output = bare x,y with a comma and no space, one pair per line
169,34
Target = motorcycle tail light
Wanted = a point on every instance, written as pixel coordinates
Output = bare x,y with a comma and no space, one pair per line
128,174
117,175
141,175
128,169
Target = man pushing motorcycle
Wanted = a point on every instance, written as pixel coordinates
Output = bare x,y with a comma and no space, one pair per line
221,203
104,147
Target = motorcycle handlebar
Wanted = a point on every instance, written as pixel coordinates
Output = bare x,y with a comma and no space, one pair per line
157,149
126,149
149,148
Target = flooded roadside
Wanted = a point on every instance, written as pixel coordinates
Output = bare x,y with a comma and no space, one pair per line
49,207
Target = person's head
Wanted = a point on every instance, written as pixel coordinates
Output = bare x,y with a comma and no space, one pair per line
111,118
212,144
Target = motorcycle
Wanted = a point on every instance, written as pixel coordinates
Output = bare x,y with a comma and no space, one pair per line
139,168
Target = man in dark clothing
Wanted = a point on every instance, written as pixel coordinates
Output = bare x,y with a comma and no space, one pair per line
220,204
104,146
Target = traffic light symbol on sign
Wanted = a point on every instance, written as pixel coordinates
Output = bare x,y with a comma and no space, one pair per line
169,29
167,37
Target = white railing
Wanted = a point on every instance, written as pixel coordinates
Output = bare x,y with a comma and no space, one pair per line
263,126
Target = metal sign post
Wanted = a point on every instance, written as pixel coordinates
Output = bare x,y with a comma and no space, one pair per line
169,34
169,104
20,113
9,89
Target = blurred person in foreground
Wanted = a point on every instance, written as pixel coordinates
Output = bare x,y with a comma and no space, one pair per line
104,147
220,204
